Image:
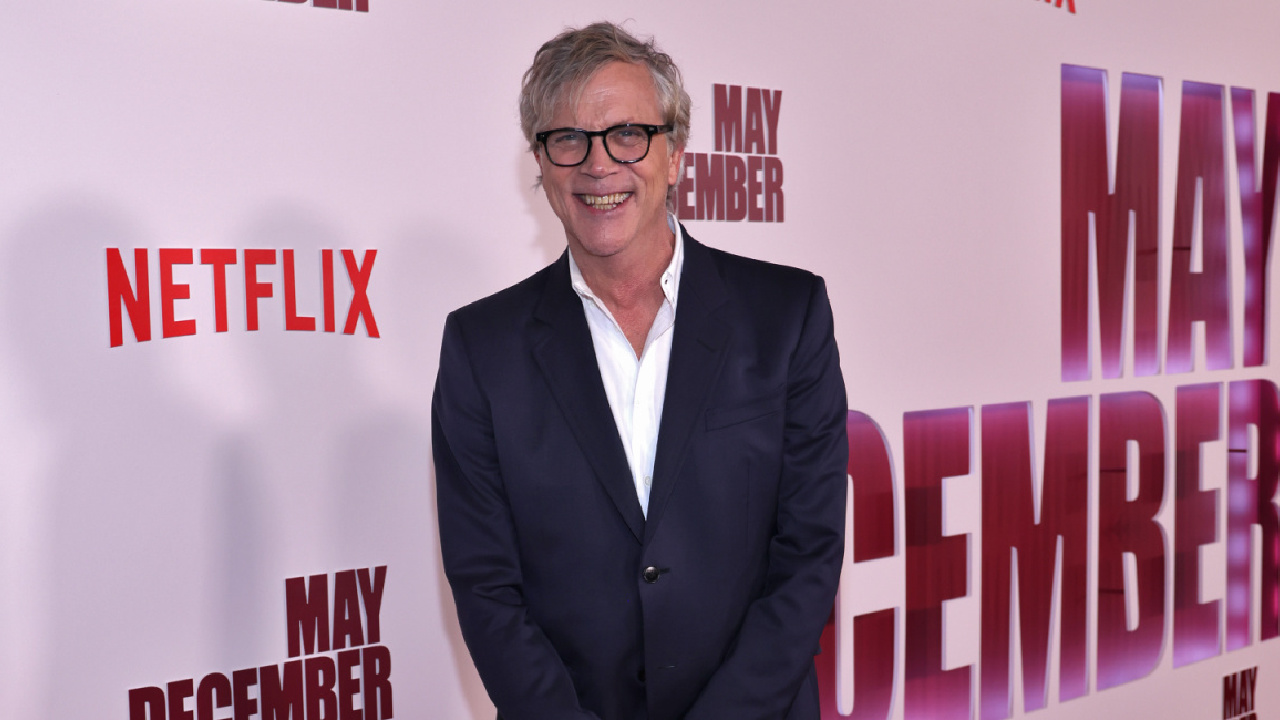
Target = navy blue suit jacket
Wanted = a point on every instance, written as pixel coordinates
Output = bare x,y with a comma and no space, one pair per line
542,536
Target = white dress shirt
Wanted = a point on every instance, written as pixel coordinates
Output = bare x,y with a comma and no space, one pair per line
636,387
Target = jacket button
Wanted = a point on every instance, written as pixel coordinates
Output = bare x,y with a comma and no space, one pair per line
651,574
640,675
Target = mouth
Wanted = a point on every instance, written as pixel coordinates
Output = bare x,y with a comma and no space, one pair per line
603,202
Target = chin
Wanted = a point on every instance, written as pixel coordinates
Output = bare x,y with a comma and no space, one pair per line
604,239
607,247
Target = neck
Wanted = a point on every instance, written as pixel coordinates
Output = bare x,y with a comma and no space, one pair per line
626,280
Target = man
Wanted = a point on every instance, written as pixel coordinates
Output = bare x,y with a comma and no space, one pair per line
640,450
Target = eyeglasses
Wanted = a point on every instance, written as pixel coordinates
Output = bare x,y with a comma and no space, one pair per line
626,143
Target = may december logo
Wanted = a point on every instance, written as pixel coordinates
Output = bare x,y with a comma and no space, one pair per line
357,5
742,180
1239,695
338,668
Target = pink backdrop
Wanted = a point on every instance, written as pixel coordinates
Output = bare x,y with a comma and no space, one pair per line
159,500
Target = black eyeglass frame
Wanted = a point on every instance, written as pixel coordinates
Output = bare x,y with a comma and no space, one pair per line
649,130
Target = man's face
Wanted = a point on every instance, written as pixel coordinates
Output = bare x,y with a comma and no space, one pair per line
609,208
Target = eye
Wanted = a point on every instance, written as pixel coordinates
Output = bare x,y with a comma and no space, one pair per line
566,138
628,135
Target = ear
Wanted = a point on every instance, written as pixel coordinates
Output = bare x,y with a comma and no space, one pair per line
675,166
537,161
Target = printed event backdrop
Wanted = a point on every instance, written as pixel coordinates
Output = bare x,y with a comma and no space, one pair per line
230,231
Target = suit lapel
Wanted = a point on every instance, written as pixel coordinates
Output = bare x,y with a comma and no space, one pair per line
698,351
562,347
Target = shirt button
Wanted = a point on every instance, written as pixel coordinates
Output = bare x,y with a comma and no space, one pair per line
651,574
648,480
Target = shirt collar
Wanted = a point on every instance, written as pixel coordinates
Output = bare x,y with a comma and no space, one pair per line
670,277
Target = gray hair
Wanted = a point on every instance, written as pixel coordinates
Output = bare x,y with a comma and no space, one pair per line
564,65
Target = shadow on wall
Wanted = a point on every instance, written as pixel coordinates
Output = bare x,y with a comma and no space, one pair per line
348,414
119,515
549,238
456,274
188,477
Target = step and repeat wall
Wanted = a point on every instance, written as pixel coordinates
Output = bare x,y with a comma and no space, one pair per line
230,231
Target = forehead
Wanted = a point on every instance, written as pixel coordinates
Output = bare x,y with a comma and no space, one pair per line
617,92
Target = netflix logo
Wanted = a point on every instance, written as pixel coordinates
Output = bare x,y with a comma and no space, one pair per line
134,298
337,668
1071,5
357,5
742,180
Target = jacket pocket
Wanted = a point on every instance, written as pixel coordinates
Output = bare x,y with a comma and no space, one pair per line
750,410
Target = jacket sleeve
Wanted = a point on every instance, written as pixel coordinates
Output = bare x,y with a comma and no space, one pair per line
522,672
774,648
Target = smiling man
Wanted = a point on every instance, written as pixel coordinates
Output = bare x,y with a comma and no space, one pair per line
640,450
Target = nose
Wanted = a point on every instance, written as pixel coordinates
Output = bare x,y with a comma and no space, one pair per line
598,162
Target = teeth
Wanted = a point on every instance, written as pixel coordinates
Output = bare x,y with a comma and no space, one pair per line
605,202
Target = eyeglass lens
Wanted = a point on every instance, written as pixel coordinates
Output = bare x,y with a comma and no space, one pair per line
623,143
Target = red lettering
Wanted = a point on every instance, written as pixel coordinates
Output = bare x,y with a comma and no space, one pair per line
1089,203
772,189
219,258
935,446
348,685
1129,527
735,188
1257,214
371,588
245,707
772,107
1018,534
359,307
326,265
254,290
727,106
179,692
871,477
1201,205
1230,693
755,212
322,701
171,292
146,703
685,211
291,319
213,684
710,193
346,611
357,5
307,614
754,141
281,691
375,669
1251,501
121,293
1195,624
